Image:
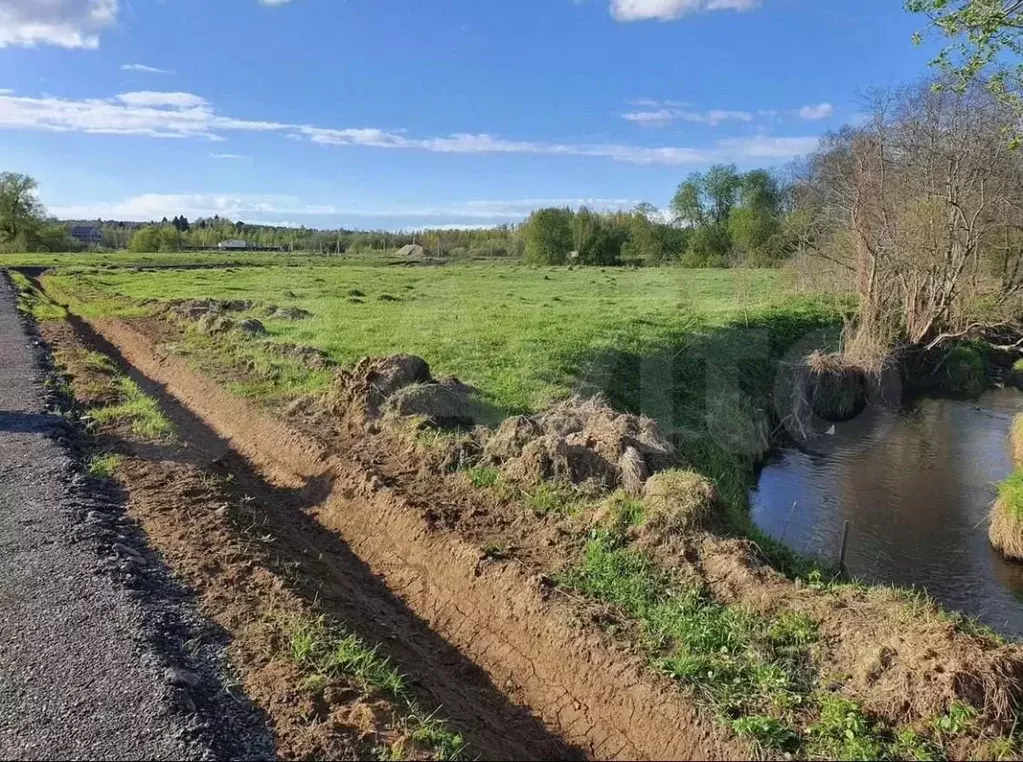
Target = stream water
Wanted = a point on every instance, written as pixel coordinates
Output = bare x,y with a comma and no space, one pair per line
916,486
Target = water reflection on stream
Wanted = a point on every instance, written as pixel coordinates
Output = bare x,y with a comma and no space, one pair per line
916,487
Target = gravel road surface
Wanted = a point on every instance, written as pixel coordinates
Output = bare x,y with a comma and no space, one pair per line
88,664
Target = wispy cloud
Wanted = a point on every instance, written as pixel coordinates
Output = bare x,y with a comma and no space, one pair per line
661,115
820,111
185,115
653,113
145,69
232,156
248,206
65,23
159,115
669,10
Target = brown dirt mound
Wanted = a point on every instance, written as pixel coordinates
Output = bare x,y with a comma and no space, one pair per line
896,656
445,404
1006,531
581,440
402,386
252,327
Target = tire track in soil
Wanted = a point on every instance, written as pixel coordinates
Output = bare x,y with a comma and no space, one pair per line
452,617
341,584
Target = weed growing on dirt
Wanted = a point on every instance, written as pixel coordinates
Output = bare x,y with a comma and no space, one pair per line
551,499
842,731
1003,749
325,652
495,551
138,409
105,466
98,363
484,476
959,719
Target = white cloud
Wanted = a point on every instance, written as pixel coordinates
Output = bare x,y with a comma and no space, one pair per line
669,10
156,206
767,147
274,2
185,115
66,23
228,156
145,69
820,111
664,114
158,100
159,115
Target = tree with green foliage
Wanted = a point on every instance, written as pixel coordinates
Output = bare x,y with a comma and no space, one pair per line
722,184
156,238
985,43
549,236
687,207
21,213
755,222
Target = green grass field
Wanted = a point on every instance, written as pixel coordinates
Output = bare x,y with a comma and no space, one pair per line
157,259
523,336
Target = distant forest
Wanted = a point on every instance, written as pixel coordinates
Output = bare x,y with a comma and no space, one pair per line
720,218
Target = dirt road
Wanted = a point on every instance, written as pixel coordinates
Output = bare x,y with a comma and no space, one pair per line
92,630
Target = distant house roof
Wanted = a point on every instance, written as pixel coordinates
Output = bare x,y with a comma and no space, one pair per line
233,244
87,233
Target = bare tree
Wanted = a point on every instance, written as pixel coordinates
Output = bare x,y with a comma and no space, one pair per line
924,203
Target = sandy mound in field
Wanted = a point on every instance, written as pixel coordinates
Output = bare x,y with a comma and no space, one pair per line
581,440
402,385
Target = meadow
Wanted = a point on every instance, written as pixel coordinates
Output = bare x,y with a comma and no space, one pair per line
523,336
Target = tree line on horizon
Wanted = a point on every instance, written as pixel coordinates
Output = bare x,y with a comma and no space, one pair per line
716,219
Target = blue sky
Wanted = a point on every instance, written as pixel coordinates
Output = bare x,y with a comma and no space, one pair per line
410,113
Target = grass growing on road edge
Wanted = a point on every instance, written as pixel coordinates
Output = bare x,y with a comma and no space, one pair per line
33,302
136,408
105,466
325,652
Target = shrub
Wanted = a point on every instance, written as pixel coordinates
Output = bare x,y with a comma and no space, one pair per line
963,372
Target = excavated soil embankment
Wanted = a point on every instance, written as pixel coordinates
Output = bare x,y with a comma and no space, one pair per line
502,658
